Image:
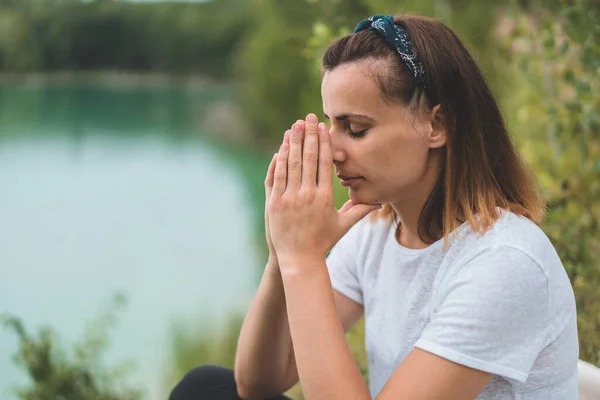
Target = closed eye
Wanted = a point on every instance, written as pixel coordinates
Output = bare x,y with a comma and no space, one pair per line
357,135
345,118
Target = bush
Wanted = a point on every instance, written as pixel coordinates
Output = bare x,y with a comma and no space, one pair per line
57,374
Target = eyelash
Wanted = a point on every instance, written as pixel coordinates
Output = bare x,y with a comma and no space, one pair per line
353,135
356,135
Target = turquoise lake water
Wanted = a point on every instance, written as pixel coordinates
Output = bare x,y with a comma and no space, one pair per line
106,191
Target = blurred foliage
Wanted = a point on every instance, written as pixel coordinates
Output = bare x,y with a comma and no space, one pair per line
556,104
191,347
71,35
80,374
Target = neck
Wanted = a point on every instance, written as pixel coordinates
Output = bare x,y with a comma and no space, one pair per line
409,207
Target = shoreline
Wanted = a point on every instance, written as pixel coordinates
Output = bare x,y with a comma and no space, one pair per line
110,78
222,120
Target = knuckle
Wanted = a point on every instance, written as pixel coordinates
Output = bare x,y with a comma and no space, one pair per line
280,176
311,156
283,202
295,164
325,162
307,194
274,205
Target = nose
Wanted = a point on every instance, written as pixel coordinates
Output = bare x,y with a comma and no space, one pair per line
339,155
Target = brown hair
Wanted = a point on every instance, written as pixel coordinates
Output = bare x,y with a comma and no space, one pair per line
482,170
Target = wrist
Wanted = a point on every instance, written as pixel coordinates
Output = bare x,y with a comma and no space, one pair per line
272,266
297,263
273,261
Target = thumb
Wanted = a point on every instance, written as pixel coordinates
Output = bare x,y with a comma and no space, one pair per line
351,213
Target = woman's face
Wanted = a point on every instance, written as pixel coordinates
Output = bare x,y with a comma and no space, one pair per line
385,147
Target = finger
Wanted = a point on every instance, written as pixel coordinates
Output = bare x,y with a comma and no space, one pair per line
271,170
310,152
294,166
286,136
347,205
325,166
355,212
286,140
270,176
280,174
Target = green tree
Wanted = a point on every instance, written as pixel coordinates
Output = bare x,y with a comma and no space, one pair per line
181,38
19,50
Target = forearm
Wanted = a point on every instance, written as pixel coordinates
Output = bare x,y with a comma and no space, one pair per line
325,364
263,351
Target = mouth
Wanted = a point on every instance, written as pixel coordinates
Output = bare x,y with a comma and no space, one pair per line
349,181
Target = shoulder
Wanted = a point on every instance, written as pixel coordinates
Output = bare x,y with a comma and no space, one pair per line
511,239
514,259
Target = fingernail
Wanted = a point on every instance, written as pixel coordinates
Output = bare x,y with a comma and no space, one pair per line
297,128
274,155
322,128
312,119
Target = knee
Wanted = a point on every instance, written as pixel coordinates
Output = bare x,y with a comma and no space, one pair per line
202,380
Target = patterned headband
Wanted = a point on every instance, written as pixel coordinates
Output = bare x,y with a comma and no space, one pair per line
398,38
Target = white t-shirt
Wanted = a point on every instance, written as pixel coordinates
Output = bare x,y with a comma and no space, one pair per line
499,302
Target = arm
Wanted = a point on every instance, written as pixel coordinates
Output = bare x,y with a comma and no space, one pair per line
325,364
264,358
494,320
265,363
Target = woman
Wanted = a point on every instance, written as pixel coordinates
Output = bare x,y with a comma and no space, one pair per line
463,295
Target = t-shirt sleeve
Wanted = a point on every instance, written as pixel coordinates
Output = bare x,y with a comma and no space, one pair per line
492,315
342,265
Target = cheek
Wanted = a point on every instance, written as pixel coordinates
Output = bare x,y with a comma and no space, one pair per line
403,153
404,160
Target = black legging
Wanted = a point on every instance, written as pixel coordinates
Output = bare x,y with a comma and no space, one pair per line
209,382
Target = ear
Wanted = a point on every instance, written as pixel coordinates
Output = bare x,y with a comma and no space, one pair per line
437,135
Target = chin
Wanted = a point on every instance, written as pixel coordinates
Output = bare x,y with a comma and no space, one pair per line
362,197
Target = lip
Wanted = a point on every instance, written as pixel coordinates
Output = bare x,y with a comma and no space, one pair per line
349,181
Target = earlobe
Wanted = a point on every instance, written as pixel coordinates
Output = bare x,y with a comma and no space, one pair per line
438,137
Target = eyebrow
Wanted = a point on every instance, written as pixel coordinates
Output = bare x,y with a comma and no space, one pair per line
344,117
